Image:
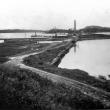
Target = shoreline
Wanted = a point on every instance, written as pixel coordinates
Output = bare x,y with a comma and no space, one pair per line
50,64
57,60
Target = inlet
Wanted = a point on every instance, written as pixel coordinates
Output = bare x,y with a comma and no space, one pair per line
92,56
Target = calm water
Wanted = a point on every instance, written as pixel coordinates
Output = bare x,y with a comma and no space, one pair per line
15,35
106,33
1,41
92,56
25,35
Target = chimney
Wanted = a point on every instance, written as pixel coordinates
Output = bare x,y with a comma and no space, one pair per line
74,25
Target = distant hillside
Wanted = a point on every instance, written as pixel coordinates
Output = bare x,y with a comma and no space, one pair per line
60,31
93,29
57,31
87,29
19,30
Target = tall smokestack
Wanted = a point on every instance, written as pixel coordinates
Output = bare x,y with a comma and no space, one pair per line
74,25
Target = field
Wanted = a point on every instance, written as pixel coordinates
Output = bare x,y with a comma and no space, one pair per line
22,89
18,46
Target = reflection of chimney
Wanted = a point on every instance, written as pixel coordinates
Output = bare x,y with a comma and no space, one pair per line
35,34
74,25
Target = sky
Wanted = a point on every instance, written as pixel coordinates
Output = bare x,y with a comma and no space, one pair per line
47,14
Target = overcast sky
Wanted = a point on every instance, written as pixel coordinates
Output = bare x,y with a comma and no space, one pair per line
46,14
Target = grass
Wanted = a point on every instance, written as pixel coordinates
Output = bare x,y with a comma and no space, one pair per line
22,89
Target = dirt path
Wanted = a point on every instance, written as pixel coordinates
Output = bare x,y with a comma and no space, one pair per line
84,88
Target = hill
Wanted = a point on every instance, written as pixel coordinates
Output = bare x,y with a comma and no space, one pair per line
19,30
94,29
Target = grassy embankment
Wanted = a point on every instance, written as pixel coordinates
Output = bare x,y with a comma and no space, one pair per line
21,89
50,59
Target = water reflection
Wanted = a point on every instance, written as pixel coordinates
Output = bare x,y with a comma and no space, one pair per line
92,56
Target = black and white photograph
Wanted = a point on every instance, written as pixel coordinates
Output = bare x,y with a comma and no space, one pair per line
54,54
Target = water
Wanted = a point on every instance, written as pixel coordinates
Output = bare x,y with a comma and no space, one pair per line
1,41
25,35
49,41
106,33
15,35
92,56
